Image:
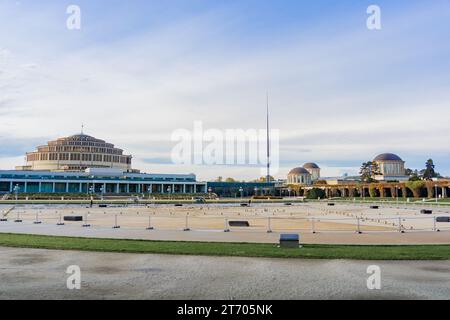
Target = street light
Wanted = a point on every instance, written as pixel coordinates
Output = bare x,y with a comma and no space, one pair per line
436,192
209,192
169,190
16,191
396,193
102,190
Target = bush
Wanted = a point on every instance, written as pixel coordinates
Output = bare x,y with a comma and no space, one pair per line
316,193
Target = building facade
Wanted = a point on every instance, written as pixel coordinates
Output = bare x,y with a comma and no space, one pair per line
392,168
313,169
299,176
241,189
76,153
84,164
98,181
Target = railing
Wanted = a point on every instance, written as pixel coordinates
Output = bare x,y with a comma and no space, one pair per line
258,222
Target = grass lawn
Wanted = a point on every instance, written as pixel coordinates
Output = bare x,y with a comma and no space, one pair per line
375,252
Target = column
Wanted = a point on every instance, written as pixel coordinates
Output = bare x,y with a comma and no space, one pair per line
117,188
444,192
25,187
150,190
128,188
53,187
184,188
195,188
80,188
10,186
67,187
40,187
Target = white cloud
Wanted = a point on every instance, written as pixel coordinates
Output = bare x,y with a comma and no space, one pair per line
334,97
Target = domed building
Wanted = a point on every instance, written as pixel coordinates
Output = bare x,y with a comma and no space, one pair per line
299,176
76,153
391,166
313,169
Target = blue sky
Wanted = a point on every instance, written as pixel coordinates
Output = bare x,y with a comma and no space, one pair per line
138,70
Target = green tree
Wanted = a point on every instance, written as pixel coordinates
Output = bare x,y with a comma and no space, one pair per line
429,172
316,193
263,179
368,170
413,174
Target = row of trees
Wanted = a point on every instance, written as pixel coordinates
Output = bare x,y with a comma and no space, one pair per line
371,169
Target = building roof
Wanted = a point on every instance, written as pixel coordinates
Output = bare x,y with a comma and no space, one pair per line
311,165
299,170
387,157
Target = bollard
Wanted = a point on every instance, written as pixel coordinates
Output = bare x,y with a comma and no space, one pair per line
269,226
116,226
226,226
149,223
400,226
18,217
37,219
86,225
313,225
358,230
60,223
186,228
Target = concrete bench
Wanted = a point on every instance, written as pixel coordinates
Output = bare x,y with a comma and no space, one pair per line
73,218
289,240
238,224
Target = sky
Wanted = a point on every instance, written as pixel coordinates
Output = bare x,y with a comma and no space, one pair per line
137,71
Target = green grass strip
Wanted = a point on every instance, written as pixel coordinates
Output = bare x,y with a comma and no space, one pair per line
310,251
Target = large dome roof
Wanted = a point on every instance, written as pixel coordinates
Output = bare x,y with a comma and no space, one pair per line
387,157
81,137
311,165
299,170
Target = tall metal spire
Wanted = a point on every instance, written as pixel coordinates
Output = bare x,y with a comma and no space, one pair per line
268,138
82,128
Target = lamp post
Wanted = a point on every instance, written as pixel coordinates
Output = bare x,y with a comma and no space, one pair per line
102,191
396,194
16,191
91,190
436,192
